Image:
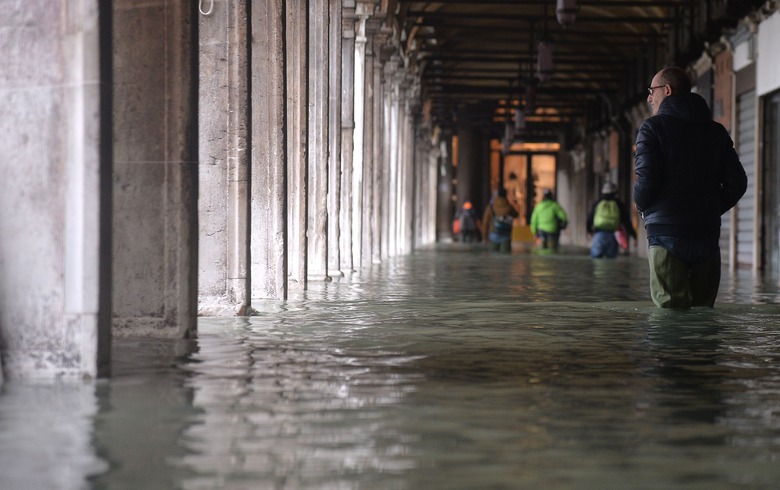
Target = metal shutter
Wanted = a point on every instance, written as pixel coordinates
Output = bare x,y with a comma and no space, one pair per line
745,143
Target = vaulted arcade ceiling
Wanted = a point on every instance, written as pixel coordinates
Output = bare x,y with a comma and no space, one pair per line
485,55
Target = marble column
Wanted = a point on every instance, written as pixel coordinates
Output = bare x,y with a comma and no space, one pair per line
55,194
346,208
268,244
223,154
318,134
296,65
335,32
155,242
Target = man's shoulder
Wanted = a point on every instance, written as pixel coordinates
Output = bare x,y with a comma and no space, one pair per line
651,125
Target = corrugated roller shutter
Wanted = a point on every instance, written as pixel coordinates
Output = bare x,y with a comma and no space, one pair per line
746,134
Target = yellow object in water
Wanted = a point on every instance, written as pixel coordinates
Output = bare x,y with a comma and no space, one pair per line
522,233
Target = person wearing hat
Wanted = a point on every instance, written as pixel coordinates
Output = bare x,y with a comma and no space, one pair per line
547,220
606,216
467,223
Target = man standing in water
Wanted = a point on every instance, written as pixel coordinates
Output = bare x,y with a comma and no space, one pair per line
687,175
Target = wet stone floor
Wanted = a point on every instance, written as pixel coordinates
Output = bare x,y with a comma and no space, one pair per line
451,368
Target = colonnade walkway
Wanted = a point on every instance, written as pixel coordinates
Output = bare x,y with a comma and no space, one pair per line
448,368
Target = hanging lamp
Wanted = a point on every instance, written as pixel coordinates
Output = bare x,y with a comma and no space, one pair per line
566,12
530,97
509,136
519,120
544,60
544,53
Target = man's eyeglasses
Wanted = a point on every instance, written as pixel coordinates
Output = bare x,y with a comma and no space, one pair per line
650,89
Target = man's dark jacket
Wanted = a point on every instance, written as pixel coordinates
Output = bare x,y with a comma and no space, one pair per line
687,171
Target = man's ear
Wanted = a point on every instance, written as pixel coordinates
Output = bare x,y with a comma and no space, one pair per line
667,90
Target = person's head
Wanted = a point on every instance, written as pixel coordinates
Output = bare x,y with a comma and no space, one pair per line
547,194
608,188
671,80
467,205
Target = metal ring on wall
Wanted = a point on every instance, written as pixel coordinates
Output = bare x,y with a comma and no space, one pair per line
200,7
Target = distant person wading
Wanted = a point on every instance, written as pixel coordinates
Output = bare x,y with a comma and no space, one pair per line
547,220
608,216
466,225
497,221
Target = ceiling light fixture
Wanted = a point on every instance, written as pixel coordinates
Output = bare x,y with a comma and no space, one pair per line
566,11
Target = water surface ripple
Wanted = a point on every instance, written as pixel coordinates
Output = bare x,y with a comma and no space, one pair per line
451,368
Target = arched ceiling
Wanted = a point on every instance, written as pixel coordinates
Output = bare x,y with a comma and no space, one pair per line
483,53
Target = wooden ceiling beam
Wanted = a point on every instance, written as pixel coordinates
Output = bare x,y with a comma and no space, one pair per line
541,3
469,16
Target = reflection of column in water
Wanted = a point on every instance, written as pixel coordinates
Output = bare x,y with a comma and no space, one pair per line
46,436
144,411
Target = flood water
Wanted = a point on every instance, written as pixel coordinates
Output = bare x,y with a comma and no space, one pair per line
448,369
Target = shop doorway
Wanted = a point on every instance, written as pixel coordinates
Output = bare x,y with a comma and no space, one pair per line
771,160
526,175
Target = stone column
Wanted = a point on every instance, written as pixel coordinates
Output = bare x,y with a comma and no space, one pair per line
55,193
223,257
424,183
390,163
406,201
318,131
268,246
359,89
297,126
445,210
378,208
334,138
369,164
155,168
430,192
346,209
473,157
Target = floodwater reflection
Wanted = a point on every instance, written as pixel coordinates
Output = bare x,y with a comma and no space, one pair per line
451,368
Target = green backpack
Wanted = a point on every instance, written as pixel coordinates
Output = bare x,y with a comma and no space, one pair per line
607,217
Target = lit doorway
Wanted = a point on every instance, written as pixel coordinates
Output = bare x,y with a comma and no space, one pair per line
528,170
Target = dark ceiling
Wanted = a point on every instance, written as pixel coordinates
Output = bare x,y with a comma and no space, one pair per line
481,54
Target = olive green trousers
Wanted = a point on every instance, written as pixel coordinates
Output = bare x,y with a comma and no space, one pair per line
676,284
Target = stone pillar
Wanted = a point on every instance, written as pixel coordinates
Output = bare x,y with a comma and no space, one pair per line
55,193
223,258
358,167
445,209
406,201
384,69
377,154
347,133
334,137
268,245
390,164
296,26
318,131
430,196
473,157
155,168
424,185
369,164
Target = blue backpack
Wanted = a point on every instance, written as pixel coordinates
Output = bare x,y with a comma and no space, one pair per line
502,224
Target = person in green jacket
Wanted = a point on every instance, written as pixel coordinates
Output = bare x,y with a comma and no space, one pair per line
547,221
